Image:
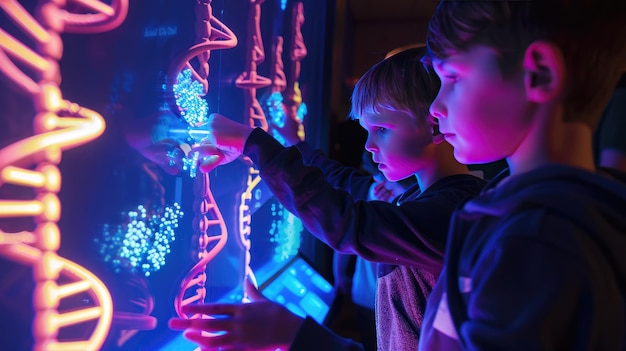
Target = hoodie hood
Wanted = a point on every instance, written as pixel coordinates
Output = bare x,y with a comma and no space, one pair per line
593,201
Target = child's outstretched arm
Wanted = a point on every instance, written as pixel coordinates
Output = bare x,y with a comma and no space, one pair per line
410,234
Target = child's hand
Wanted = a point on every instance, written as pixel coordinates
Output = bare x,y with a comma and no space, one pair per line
224,144
379,192
167,154
227,134
384,190
211,156
258,325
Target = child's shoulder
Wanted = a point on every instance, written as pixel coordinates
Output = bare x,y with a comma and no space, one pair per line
453,189
555,191
559,207
459,183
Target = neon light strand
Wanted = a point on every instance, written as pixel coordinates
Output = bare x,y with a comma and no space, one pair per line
211,34
298,51
188,74
279,79
245,219
207,216
59,125
250,81
285,99
274,101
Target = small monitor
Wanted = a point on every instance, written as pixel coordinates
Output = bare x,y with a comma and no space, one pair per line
300,288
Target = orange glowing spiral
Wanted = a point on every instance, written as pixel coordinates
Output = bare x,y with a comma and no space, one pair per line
207,215
297,52
32,162
211,34
250,80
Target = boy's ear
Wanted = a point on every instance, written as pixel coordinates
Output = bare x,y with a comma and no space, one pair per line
545,71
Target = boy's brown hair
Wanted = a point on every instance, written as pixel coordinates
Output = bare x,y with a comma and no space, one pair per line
591,35
400,82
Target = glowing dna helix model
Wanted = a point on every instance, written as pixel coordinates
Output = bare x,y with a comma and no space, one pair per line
285,98
209,226
32,162
250,81
274,100
290,106
298,51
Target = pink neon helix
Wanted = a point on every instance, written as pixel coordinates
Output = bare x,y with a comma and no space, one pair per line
211,34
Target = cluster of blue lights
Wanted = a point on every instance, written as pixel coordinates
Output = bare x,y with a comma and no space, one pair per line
285,231
275,110
189,98
301,112
142,242
194,110
191,164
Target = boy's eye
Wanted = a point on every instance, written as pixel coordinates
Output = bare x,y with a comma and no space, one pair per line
381,129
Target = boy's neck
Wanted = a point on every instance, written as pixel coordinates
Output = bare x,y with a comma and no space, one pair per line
444,165
552,141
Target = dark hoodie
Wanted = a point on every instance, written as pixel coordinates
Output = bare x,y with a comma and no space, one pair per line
538,263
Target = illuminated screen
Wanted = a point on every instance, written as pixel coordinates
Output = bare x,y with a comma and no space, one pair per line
300,288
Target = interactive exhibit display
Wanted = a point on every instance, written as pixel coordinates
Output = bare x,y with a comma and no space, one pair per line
107,228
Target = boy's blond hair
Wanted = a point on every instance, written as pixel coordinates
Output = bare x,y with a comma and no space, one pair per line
400,82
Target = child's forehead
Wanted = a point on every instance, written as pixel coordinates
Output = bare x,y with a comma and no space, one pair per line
456,59
382,116
476,56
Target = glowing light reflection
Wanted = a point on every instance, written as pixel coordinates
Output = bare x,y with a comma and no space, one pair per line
285,231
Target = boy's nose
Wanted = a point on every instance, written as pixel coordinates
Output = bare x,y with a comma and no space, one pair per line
369,145
437,110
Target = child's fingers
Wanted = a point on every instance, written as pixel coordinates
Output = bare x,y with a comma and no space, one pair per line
208,163
253,293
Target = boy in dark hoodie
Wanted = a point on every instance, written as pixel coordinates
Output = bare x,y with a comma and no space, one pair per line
536,262
407,236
